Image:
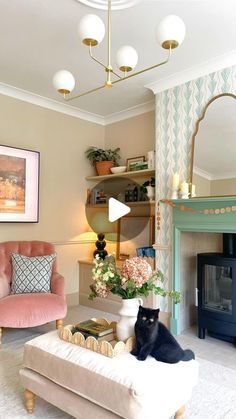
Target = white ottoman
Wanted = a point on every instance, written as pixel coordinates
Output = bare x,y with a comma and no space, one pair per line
86,384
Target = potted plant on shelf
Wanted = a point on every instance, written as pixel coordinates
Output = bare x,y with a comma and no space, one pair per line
103,160
148,188
135,279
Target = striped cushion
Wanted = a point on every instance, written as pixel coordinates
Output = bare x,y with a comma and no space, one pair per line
31,274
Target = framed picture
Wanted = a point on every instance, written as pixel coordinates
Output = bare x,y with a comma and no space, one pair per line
131,224
134,162
19,185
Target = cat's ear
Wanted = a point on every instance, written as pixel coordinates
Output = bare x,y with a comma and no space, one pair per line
156,313
140,309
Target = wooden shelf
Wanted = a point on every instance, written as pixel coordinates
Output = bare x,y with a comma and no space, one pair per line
129,204
133,174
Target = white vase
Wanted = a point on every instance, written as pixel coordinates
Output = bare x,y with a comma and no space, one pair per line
128,316
150,193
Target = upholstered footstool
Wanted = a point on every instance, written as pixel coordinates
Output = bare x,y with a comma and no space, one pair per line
88,385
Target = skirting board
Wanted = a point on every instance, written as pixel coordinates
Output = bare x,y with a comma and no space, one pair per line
72,299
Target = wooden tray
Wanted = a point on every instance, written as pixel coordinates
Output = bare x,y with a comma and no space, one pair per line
109,349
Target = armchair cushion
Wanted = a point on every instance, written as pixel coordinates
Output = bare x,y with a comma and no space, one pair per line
31,274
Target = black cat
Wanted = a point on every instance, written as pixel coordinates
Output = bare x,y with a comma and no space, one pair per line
153,338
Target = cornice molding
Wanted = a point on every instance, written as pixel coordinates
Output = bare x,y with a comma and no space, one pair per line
44,102
211,176
51,104
202,173
192,73
130,112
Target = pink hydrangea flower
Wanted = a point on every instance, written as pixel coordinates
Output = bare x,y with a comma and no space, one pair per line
137,270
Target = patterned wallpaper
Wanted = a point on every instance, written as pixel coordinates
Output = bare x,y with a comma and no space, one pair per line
177,111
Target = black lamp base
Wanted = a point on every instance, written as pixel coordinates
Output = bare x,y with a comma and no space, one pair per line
100,245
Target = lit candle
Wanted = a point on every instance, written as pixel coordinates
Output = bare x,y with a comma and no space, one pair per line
184,188
175,181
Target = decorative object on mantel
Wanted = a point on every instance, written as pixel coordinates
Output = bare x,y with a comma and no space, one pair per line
135,279
175,186
103,160
170,34
206,211
184,190
105,348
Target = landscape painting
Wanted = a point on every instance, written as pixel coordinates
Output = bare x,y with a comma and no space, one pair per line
19,185
12,184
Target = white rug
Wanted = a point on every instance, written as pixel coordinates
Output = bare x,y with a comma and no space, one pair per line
213,398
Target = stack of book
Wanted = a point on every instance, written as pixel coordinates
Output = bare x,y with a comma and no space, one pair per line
92,328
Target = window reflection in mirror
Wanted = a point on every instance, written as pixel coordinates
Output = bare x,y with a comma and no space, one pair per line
213,165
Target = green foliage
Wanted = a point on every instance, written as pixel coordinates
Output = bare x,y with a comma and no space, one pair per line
95,154
107,278
150,182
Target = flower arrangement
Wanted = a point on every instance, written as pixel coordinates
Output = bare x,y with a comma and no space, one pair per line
135,279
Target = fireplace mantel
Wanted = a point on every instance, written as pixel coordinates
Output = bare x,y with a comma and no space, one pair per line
216,215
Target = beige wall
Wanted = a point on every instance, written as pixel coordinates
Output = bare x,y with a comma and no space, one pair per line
61,141
223,187
192,244
203,185
135,136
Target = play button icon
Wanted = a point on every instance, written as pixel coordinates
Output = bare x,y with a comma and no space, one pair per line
116,209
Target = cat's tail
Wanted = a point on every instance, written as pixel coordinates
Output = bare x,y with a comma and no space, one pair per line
188,355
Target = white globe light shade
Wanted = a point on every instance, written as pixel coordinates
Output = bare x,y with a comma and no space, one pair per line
63,81
126,58
91,30
170,31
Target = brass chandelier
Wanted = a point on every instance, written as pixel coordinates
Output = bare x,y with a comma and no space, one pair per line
170,34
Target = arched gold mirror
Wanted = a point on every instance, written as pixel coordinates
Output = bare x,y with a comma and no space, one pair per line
213,162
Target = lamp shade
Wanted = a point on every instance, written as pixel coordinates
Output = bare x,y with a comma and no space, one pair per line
170,32
126,58
91,30
64,81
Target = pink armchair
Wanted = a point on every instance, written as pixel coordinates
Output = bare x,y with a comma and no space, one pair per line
28,310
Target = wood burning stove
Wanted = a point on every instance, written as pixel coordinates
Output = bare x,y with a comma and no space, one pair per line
217,291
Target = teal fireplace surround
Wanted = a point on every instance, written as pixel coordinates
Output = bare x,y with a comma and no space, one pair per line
184,221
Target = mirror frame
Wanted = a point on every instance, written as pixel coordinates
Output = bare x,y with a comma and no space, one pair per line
197,126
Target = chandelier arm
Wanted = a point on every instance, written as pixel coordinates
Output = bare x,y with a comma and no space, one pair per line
99,62
109,35
94,58
145,69
117,75
69,98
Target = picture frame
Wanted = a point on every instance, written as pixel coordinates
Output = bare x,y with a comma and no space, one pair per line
134,160
19,185
127,248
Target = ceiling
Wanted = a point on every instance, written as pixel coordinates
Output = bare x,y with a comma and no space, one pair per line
39,37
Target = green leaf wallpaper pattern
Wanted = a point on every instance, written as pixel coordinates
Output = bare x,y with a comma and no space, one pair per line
177,111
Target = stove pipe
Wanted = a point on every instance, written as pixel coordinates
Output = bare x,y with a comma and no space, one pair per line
229,244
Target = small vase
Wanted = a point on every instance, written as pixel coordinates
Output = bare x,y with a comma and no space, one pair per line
150,193
128,316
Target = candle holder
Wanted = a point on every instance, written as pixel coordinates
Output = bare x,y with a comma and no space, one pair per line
174,194
184,195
